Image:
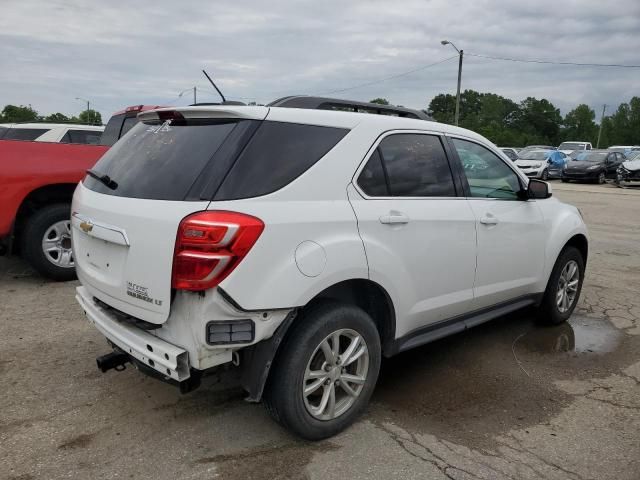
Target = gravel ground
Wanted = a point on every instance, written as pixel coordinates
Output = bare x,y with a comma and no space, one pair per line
504,400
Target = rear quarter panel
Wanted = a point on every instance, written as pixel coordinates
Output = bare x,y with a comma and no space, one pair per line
26,166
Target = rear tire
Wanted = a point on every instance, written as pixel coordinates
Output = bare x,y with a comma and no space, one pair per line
303,363
46,242
563,289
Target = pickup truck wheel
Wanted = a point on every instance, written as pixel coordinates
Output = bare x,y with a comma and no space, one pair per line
563,290
46,242
324,376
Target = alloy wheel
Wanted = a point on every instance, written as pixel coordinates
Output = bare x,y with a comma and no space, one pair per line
335,374
56,244
567,286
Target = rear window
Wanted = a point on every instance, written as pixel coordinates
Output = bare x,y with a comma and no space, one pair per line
160,161
111,132
211,159
277,154
87,137
18,133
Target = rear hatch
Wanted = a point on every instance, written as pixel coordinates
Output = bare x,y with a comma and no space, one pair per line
125,217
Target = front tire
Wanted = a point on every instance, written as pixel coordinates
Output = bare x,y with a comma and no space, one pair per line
565,180
545,175
46,242
564,287
601,178
326,372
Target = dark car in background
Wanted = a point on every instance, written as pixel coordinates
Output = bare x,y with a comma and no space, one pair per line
592,166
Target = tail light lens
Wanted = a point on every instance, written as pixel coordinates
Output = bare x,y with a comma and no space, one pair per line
210,245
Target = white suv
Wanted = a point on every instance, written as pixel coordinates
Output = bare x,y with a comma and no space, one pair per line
303,245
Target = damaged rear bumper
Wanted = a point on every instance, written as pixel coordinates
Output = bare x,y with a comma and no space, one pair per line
156,355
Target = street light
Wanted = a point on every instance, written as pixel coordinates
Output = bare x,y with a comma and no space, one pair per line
88,104
461,54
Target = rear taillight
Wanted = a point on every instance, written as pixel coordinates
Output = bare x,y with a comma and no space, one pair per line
209,245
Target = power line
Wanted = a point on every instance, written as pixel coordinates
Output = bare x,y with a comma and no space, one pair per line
553,63
398,75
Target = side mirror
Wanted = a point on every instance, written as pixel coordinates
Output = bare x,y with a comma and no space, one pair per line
538,189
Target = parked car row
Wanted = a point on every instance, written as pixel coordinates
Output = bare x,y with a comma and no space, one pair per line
578,161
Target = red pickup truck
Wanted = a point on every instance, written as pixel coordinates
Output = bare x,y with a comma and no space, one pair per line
37,180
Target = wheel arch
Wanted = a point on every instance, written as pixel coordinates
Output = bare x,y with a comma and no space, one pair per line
372,298
36,199
364,293
580,242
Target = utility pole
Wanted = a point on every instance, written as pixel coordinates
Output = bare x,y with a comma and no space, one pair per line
89,119
460,54
604,107
194,95
459,82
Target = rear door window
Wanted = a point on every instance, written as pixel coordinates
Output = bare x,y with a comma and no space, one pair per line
86,137
18,133
277,154
161,161
416,166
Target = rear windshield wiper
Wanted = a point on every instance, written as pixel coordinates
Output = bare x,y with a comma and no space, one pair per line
103,178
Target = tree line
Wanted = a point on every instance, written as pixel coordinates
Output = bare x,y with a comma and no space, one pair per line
21,114
506,123
535,121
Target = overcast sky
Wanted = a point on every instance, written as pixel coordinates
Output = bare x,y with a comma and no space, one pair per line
118,53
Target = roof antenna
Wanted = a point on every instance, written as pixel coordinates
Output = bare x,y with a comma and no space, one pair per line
214,85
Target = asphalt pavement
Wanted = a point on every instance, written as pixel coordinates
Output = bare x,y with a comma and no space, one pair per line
507,399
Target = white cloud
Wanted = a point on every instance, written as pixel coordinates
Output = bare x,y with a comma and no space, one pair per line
119,53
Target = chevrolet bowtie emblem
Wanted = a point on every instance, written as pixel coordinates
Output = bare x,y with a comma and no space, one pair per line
86,226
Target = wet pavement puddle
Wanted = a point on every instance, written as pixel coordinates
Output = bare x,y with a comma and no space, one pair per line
490,379
580,334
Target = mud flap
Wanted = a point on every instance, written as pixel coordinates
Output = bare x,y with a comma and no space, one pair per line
256,361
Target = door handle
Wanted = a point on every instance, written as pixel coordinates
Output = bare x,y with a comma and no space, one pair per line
394,218
489,220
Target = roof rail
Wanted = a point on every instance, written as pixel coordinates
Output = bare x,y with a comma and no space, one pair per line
226,102
324,103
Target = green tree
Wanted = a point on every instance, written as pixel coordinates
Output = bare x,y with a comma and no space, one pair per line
90,117
380,101
580,125
539,121
57,118
12,113
442,108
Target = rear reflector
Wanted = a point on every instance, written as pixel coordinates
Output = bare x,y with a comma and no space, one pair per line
209,245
